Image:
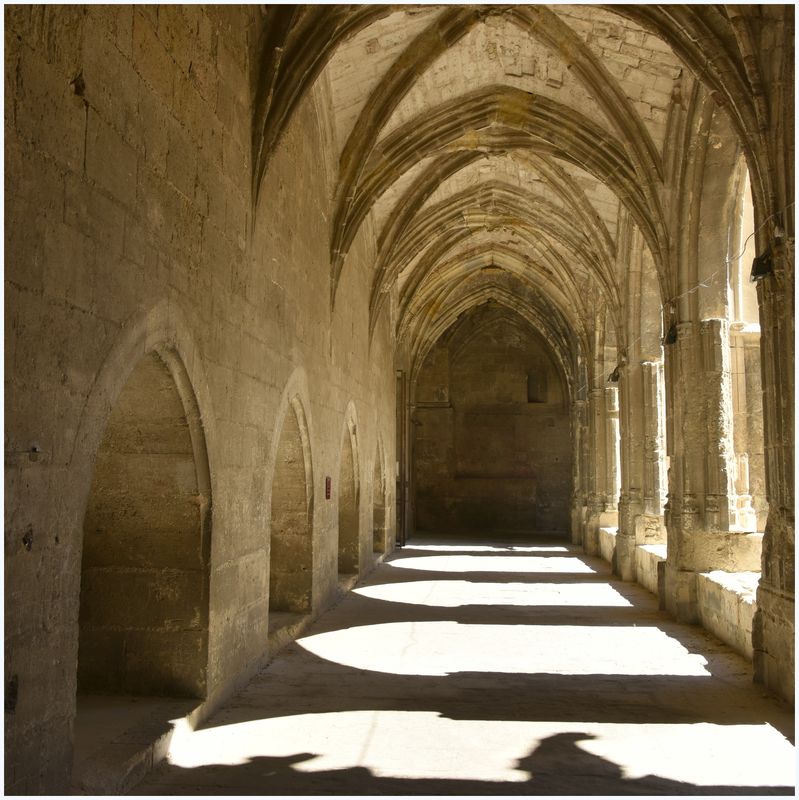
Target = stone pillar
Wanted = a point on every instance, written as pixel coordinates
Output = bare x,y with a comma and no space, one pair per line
702,499
773,630
719,488
612,485
642,463
654,455
630,434
579,426
685,471
597,470
650,527
747,406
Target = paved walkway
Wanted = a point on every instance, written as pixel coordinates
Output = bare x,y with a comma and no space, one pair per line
462,669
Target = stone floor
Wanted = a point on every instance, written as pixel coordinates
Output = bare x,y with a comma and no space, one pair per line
499,669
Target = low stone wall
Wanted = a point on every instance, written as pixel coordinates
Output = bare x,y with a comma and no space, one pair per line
647,558
727,604
726,600
607,543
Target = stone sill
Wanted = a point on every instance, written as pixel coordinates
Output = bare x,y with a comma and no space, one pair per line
607,542
657,550
727,602
647,558
743,584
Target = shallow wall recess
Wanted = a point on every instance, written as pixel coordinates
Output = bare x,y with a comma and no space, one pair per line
144,581
348,515
378,508
291,542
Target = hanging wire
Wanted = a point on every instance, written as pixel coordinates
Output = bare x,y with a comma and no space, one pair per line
727,261
756,231
702,284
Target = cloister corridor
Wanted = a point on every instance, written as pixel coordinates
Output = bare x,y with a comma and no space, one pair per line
464,667
399,399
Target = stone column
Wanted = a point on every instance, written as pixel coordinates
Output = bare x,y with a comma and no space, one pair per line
773,630
719,488
701,491
612,485
597,431
654,454
642,463
747,406
631,436
686,476
579,426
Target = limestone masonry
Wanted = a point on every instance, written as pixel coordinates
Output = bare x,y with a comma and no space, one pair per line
288,285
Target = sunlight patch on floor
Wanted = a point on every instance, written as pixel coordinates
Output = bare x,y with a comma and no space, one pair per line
505,564
454,594
703,754
484,548
445,647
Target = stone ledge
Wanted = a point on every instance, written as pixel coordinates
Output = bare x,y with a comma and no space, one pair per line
284,628
727,602
607,543
118,765
647,558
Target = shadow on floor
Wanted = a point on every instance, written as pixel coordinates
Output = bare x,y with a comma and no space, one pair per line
725,696
557,766
303,683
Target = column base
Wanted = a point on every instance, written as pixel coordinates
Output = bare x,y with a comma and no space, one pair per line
578,513
591,536
679,592
624,562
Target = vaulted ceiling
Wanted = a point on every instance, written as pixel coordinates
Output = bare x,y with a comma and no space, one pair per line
501,152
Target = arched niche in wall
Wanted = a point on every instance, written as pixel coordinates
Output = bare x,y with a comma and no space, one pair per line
348,504
378,505
146,542
291,540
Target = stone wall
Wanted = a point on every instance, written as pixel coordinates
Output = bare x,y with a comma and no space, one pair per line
130,226
492,447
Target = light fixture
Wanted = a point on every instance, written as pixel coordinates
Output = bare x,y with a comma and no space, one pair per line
761,266
671,334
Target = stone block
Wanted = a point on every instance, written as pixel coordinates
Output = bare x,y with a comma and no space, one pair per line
607,544
96,216
151,59
110,162
726,603
680,594
48,113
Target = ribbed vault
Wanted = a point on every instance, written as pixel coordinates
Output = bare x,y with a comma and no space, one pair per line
547,147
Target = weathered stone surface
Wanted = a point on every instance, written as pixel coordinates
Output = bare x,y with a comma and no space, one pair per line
291,210
459,638
491,443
